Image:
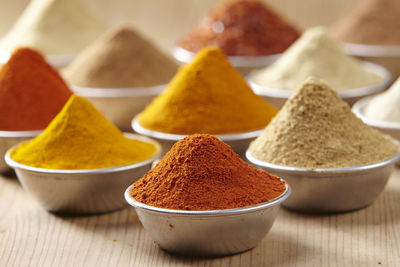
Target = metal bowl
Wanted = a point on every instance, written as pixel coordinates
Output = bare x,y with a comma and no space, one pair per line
81,191
57,61
331,190
120,105
244,64
238,142
390,128
208,233
278,97
9,139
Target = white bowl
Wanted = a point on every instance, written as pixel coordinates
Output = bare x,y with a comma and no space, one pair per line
122,104
278,97
9,139
210,232
86,191
238,142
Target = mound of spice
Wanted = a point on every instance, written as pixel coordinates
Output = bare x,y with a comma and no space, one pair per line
386,106
315,54
242,28
201,172
54,27
80,137
207,96
316,129
373,22
31,92
121,58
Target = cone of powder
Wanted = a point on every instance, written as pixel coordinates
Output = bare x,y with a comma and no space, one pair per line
80,137
31,92
372,22
316,129
207,96
241,28
121,58
315,54
201,172
54,27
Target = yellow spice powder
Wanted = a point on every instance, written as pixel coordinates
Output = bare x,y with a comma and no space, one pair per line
80,137
207,96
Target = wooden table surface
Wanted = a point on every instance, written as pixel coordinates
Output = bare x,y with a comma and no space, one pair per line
32,236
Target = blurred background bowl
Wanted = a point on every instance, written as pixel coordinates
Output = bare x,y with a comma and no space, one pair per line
238,142
10,138
122,104
331,190
81,191
208,233
278,97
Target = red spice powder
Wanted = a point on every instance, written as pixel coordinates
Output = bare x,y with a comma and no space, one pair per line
201,172
242,28
31,92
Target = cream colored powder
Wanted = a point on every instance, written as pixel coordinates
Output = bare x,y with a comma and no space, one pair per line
385,106
315,54
316,129
54,27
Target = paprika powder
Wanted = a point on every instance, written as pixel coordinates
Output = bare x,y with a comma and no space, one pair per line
201,172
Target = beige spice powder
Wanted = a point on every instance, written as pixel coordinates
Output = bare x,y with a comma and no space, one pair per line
316,129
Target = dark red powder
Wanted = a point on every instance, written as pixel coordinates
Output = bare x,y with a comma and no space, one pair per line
201,172
242,28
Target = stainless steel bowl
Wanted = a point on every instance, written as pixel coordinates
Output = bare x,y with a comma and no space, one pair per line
9,139
208,233
331,190
238,142
81,191
120,105
278,97
390,128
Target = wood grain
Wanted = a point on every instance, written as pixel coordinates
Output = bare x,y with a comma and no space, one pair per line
29,236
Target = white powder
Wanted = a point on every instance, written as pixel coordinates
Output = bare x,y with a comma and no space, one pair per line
385,106
54,27
315,54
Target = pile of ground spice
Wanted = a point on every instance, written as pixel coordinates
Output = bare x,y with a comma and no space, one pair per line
316,54
80,137
121,58
31,92
374,22
54,27
207,96
316,129
201,172
242,28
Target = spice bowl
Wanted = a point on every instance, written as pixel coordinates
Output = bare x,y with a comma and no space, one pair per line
244,64
10,138
331,190
278,97
238,142
120,105
57,61
211,232
81,191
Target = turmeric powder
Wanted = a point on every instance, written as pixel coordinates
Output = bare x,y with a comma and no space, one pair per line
80,137
207,96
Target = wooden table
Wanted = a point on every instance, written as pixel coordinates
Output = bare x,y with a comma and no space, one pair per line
32,236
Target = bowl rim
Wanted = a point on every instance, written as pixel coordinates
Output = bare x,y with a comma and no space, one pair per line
186,56
55,60
367,50
94,92
176,137
16,165
131,201
348,93
261,163
358,109
20,134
